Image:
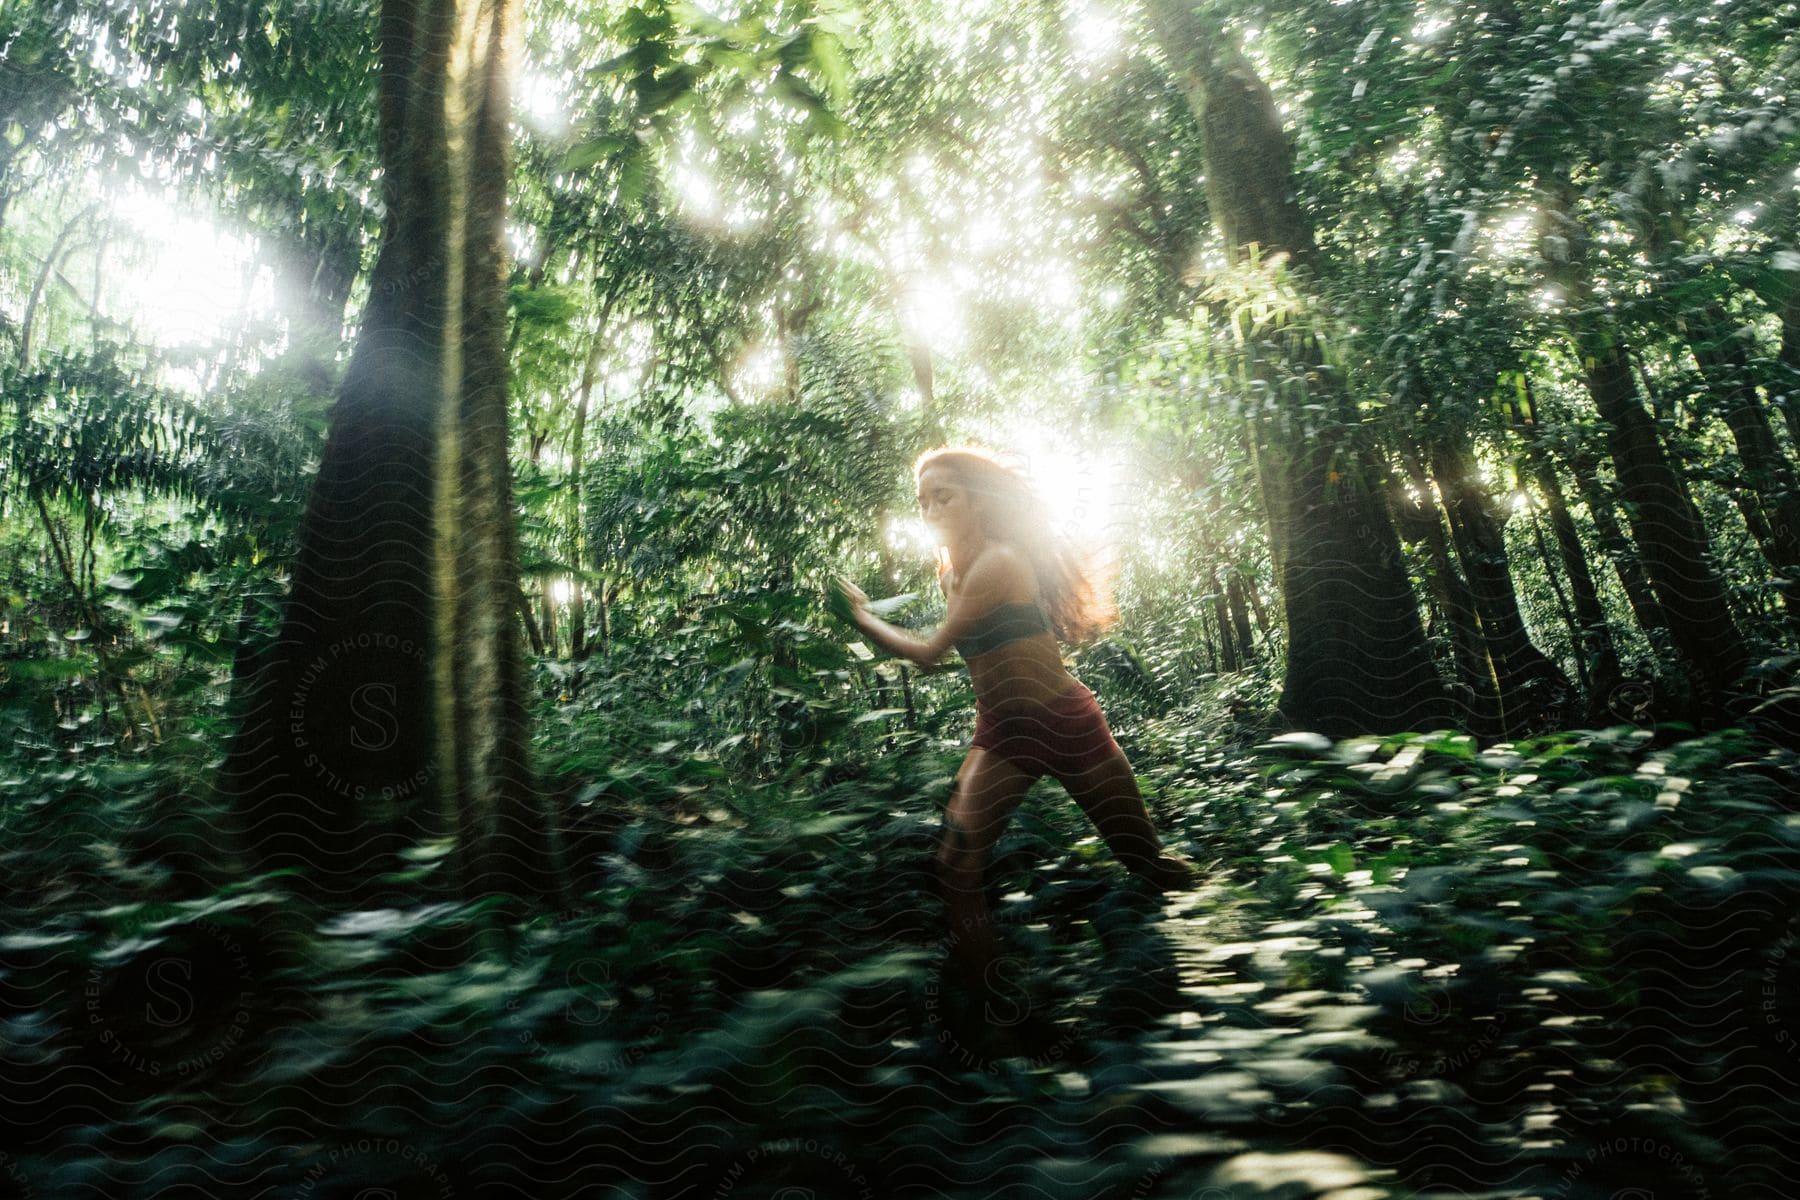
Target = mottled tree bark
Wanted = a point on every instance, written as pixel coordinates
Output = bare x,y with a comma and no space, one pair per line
1357,658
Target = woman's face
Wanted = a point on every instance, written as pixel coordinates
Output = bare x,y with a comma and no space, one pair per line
946,504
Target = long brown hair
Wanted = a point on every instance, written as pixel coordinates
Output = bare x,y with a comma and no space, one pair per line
1075,584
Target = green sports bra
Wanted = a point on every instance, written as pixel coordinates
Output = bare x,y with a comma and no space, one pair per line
1002,624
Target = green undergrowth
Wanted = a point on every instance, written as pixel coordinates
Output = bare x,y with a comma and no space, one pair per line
1563,967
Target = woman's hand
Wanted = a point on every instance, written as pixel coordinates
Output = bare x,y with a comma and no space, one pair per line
852,601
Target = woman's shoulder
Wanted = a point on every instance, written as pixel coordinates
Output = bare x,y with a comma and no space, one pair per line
1002,568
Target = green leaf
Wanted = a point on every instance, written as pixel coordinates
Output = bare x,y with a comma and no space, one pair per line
660,92
581,157
634,174
892,604
50,668
798,92
828,59
837,603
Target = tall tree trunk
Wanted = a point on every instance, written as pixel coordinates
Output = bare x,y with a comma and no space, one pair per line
533,637
1357,658
1669,532
1254,596
606,596
1767,479
545,641
1258,455
504,841
1531,688
391,707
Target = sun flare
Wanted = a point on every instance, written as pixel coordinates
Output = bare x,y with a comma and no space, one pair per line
1080,485
196,277
1084,490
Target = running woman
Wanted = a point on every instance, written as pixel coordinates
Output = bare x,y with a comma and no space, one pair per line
1013,587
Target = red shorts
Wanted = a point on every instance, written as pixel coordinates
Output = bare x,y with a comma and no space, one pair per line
1064,737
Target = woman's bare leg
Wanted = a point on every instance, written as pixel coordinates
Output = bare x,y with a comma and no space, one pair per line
1108,794
988,789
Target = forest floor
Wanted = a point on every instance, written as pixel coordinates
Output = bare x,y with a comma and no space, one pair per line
1562,968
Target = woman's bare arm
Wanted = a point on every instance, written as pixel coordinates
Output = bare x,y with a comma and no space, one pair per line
990,579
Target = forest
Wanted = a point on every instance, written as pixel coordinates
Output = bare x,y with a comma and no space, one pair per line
435,760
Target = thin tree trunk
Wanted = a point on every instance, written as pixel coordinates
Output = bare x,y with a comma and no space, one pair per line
545,604
1263,622
1531,688
578,525
1787,387
506,843
1619,550
552,643
1563,608
605,596
110,677
1474,671
532,636
1594,641
906,693
1257,456
28,320
1240,614
1227,651
1772,511
98,290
